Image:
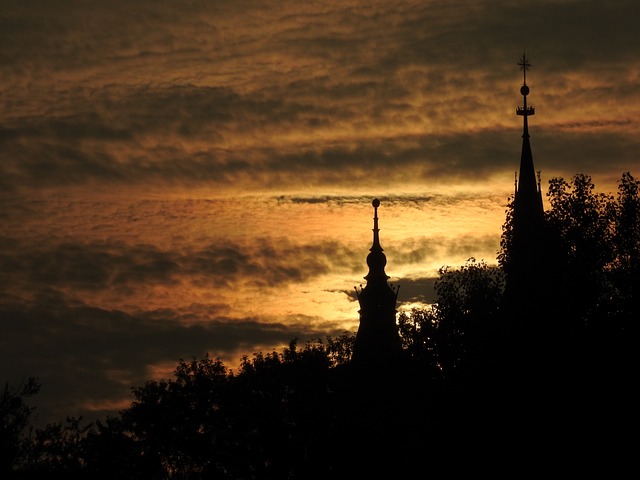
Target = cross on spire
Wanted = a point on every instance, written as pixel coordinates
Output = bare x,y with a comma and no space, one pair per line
524,66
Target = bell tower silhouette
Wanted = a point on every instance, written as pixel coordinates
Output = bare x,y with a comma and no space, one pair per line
377,340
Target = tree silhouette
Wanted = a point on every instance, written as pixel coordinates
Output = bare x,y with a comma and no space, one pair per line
625,271
269,420
60,448
176,422
15,424
583,221
450,337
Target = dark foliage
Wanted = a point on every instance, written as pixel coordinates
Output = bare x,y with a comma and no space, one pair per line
449,338
15,418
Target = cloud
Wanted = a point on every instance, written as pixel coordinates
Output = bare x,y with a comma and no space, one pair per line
323,103
417,291
87,267
84,354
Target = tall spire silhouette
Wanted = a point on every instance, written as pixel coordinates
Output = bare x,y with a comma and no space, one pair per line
528,252
528,187
377,340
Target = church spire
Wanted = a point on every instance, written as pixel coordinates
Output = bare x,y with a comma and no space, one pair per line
527,184
527,252
377,340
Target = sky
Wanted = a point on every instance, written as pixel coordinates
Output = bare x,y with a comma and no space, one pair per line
187,177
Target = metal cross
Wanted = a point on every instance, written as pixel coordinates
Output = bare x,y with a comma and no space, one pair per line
524,66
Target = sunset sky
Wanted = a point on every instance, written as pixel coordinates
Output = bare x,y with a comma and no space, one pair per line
193,176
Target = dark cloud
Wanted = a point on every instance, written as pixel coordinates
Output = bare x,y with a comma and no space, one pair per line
429,249
100,265
366,162
351,199
417,290
570,151
84,354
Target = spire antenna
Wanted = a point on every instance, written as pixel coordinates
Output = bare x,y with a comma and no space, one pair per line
376,230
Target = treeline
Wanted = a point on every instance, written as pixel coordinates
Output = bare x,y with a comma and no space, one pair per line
558,388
